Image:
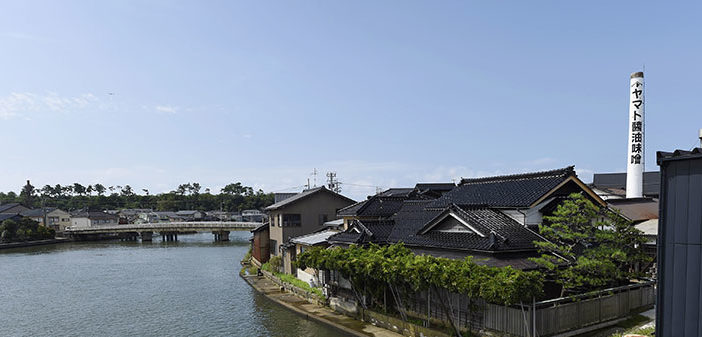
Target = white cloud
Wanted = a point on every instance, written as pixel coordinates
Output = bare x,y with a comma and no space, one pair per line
26,105
167,109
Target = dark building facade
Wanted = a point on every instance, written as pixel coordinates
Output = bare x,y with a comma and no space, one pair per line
679,299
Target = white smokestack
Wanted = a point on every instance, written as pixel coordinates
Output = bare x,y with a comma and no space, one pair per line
635,158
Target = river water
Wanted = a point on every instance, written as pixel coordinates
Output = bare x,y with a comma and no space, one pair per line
110,288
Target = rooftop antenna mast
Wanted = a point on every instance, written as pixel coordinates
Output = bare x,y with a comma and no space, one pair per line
314,175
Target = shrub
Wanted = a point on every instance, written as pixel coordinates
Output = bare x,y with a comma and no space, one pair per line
275,263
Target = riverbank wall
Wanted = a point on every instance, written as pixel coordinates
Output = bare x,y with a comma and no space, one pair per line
10,245
373,323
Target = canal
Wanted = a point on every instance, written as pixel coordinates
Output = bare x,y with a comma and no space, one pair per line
109,288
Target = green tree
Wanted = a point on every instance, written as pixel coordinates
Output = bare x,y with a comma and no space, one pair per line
587,247
127,191
236,189
27,195
99,188
78,189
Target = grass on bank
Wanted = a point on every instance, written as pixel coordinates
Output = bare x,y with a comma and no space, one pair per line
629,326
639,331
287,278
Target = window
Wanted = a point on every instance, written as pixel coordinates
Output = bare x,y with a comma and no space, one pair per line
322,219
292,220
274,247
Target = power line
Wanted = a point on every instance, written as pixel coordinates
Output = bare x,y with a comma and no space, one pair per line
361,185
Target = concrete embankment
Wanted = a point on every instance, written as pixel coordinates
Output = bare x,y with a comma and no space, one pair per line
22,244
324,315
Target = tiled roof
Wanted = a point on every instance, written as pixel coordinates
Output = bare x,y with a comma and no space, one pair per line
375,231
615,183
439,187
411,218
519,190
5,207
378,206
636,209
8,216
662,156
396,192
37,211
351,210
260,228
302,195
500,232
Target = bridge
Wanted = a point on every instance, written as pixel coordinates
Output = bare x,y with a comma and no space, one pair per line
168,230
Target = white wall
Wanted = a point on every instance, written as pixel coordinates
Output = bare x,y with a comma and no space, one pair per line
80,222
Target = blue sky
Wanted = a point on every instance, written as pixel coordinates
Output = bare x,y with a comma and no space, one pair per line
158,93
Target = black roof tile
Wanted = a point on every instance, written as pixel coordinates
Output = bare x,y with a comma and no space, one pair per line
375,231
519,190
304,194
5,207
662,156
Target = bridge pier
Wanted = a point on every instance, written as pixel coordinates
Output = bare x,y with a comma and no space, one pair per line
169,236
147,236
221,236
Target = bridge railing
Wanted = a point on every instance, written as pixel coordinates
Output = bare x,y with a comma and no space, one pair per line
164,226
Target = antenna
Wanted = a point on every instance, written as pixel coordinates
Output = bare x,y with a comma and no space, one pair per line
314,174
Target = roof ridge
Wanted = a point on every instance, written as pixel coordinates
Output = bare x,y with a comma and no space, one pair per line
566,171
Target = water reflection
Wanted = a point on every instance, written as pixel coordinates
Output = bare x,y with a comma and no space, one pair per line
190,287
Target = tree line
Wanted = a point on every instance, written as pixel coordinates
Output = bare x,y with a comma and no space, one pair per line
234,197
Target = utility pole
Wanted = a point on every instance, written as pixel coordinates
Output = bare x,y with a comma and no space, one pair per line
332,183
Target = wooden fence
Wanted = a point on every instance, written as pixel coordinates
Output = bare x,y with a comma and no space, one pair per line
571,313
551,317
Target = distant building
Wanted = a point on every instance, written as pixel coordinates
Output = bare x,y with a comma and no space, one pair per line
252,215
147,217
93,219
55,218
167,216
613,185
219,216
131,215
190,215
304,213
